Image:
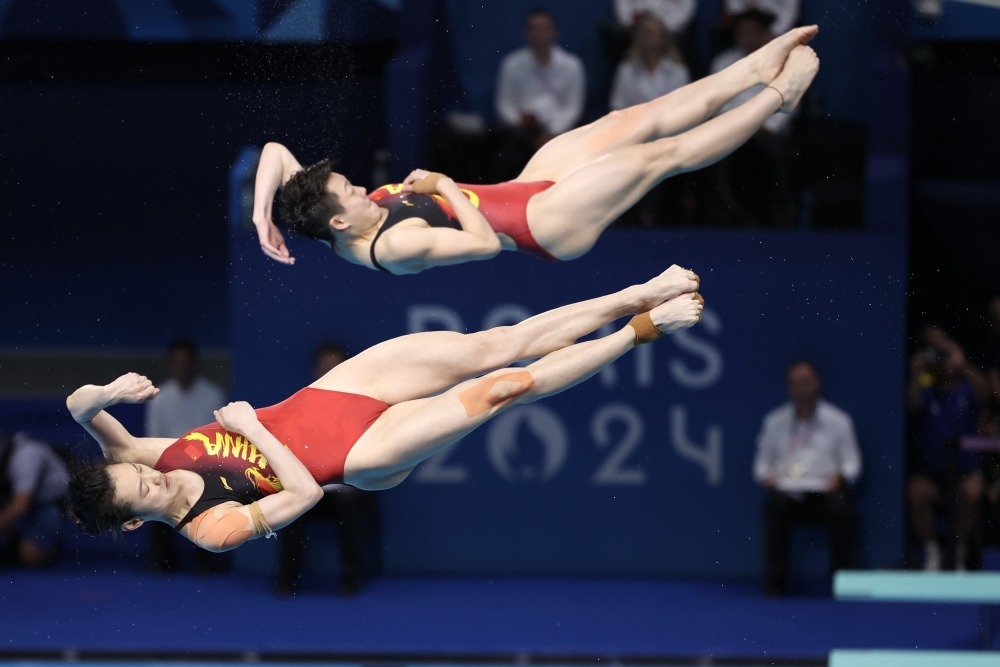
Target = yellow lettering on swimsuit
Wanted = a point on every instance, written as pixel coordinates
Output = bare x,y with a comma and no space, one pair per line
211,447
256,457
200,437
240,447
228,444
393,188
472,196
265,484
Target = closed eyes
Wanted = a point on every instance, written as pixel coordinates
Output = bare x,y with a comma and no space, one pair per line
142,487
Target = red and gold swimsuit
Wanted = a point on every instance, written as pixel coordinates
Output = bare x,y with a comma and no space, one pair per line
504,205
319,426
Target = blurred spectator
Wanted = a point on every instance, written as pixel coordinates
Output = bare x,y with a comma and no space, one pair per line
654,67
352,510
992,353
753,182
807,459
186,400
540,93
945,395
675,15
785,12
33,480
989,424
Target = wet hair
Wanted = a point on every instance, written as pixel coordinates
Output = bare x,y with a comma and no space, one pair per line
92,498
306,205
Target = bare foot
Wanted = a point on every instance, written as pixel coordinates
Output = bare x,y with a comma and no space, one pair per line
674,281
681,312
793,82
768,61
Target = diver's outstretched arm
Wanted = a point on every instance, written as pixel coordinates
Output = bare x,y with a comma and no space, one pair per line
276,166
87,406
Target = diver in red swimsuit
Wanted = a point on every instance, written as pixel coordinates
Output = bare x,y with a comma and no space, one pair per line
570,191
368,422
503,206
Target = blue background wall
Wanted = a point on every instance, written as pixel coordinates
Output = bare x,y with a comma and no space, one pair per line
645,468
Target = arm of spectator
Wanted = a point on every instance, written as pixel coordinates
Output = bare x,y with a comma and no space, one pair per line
850,457
569,113
949,346
15,508
507,107
976,377
763,462
914,387
993,378
618,87
276,166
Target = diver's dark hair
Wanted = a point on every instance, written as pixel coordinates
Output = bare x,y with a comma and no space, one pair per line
92,498
306,205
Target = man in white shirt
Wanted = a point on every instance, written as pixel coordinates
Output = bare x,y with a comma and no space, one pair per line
540,87
186,400
807,458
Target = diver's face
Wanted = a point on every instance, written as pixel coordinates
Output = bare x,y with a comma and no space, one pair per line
147,491
353,199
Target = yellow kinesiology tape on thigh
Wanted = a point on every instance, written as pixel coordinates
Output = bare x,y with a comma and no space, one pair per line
495,391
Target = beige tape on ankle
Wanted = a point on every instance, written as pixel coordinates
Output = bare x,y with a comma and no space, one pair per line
645,330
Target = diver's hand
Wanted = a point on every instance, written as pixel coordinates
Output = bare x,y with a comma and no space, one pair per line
272,242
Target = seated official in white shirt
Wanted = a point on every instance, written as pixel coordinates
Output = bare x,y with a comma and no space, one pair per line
807,459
